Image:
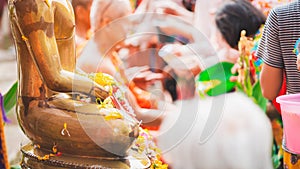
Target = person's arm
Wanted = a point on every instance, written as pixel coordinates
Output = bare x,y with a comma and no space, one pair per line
269,50
165,7
149,117
184,59
270,81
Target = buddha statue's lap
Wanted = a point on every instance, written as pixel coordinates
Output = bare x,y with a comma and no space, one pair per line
44,37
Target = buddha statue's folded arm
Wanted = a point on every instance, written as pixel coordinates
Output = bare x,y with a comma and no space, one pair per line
36,27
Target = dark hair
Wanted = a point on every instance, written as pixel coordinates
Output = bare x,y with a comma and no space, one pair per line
235,16
189,4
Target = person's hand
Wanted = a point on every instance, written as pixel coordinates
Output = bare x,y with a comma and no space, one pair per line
239,77
228,54
234,70
146,78
181,59
143,76
98,91
172,8
165,7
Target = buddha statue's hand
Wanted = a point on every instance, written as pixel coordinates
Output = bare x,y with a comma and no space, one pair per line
102,86
98,91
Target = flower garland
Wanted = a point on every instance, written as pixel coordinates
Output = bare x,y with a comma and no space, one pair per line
117,95
145,144
115,107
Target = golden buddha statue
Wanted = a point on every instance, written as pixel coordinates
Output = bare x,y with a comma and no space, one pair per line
56,105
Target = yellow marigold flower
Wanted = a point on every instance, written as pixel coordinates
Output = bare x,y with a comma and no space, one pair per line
144,162
113,116
157,164
104,79
157,150
45,157
140,140
24,38
142,148
145,130
54,149
107,103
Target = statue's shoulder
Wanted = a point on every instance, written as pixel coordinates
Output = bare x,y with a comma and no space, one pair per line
36,5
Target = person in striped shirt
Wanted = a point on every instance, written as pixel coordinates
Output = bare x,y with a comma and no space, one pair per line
276,50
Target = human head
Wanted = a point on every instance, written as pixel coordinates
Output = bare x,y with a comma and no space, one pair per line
105,11
189,4
237,15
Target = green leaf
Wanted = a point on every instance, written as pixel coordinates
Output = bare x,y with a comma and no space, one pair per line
15,167
258,96
10,98
220,72
248,85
